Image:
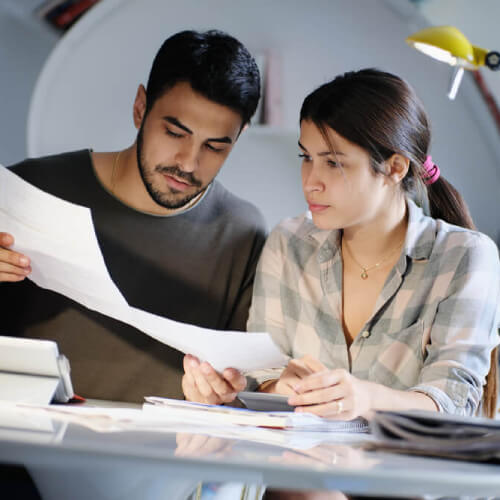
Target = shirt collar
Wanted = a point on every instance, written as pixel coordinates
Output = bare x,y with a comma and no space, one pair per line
421,233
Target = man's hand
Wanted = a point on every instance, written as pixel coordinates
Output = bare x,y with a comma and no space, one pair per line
201,383
13,266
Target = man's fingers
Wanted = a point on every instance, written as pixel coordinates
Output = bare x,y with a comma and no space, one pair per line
189,388
13,265
6,240
236,380
218,384
11,277
13,258
189,362
13,269
203,385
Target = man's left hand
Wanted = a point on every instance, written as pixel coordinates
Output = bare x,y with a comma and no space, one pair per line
201,383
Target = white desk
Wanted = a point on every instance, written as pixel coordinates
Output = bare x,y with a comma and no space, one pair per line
69,461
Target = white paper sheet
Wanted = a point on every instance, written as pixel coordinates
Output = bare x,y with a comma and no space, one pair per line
60,240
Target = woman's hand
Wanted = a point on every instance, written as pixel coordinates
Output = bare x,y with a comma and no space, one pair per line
334,394
296,371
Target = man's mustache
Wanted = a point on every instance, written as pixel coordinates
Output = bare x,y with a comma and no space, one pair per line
188,177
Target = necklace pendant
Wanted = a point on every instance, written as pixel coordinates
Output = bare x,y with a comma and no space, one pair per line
364,275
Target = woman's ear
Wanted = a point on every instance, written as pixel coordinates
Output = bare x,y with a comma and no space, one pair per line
397,167
139,109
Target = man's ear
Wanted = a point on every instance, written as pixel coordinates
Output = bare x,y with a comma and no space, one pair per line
139,106
397,167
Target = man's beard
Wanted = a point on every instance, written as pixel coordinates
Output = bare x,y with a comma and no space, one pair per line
158,196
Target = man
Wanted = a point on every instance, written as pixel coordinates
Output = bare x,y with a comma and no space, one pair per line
176,243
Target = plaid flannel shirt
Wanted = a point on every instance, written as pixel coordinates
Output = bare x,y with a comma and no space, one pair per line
434,324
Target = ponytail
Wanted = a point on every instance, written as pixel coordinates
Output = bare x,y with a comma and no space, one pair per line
446,203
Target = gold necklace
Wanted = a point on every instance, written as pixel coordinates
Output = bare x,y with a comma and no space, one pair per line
364,270
189,204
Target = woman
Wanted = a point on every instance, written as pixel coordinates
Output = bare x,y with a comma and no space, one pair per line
377,305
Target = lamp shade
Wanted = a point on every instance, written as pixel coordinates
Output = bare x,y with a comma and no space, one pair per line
447,44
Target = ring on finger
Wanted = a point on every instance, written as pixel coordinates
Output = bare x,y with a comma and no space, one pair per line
340,406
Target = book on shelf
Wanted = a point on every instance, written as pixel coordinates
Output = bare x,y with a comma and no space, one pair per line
204,414
429,433
63,13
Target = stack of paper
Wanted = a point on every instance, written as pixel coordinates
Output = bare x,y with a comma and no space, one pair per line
437,434
203,414
49,422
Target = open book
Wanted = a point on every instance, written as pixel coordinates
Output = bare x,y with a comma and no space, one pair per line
436,434
203,414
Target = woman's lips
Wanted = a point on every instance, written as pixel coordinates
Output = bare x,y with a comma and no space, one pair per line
315,207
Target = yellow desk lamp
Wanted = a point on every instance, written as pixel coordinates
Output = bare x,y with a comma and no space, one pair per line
449,45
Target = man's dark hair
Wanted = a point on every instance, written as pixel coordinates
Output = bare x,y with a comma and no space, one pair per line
215,64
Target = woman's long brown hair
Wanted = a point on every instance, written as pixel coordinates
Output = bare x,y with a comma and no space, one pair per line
381,113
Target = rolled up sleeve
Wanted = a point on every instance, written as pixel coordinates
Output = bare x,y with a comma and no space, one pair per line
464,332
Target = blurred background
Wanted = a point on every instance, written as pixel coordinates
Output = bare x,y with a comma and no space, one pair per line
69,77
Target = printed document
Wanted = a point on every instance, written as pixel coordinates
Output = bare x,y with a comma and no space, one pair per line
60,240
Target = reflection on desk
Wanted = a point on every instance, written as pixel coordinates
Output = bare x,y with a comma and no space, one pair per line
67,459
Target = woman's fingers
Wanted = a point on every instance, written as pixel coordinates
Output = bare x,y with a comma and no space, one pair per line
321,380
336,410
319,396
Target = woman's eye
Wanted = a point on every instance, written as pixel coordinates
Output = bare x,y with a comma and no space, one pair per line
304,157
173,134
333,163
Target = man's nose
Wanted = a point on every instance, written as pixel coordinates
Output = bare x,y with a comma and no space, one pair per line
187,158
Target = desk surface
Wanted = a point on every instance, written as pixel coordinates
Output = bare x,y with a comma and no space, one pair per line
115,464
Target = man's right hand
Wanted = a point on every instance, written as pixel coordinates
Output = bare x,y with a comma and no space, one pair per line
13,266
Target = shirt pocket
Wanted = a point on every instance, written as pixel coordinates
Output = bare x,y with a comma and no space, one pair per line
397,357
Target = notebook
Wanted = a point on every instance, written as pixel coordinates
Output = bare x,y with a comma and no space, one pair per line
204,414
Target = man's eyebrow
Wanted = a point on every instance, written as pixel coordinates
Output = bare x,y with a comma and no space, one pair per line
324,153
177,123
225,140
174,121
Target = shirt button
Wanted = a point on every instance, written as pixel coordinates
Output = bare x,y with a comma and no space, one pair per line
365,334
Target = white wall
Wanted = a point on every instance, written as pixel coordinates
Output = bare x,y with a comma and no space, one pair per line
106,56
24,46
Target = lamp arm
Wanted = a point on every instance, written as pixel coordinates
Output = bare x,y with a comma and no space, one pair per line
479,55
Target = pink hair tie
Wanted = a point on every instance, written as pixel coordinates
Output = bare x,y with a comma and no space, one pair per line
432,171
